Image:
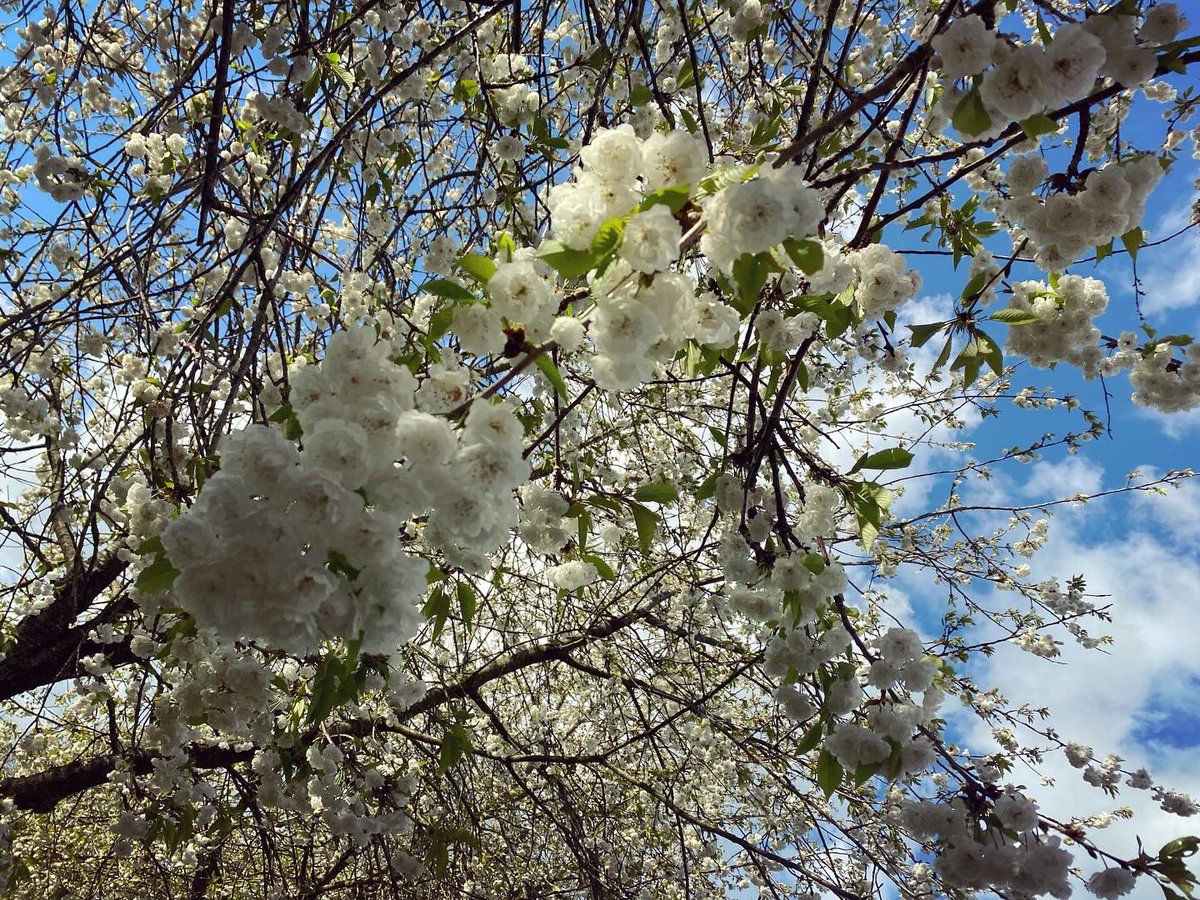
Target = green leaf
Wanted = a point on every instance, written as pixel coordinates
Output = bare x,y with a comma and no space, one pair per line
895,760
922,333
550,370
1184,846
813,562
944,355
1132,240
1013,316
640,94
444,287
439,322
675,198
608,237
707,488
892,458
687,76
750,271
477,266
467,602
657,492
333,684
829,773
437,610
990,352
286,417
1103,251
465,90
808,255
647,523
158,576
605,570
810,739
507,246
456,743
870,501
567,262
975,285
1043,31
970,117
344,75
151,545
1037,125
689,121
863,773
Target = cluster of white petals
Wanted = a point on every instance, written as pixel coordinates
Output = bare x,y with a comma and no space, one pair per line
1062,226
884,280
1016,81
1064,331
991,858
756,215
292,546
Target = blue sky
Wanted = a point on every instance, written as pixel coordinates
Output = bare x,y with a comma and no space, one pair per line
1137,698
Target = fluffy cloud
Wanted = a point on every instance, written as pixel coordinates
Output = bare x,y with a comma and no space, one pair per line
1136,698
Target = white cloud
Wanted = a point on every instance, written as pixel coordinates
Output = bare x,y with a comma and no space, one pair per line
1107,700
1066,478
1174,425
1171,274
1172,513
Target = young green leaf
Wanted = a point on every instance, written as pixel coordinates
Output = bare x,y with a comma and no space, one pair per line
478,267
829,773
657,492
567,262
970,117
646,522
1011,315
808,255
550,370
444,287
892,458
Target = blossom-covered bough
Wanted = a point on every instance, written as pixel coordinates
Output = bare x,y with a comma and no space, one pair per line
487,449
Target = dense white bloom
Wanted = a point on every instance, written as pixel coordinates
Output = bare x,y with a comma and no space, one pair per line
577,212
965,47
519,293
1016,811
854,746
1162,24
568,332
884,280
295,547
1073,61
1064,330
651,241
573,574
1078,755
1025,173
673,158
509,148
1111,883
613,153
1011,89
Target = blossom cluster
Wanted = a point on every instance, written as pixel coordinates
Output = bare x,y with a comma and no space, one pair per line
291,546
1019,81
1064,331
756,215
992,859
1063,225
1159,380
884,280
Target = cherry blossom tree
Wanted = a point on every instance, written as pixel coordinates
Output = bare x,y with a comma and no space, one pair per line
458,448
